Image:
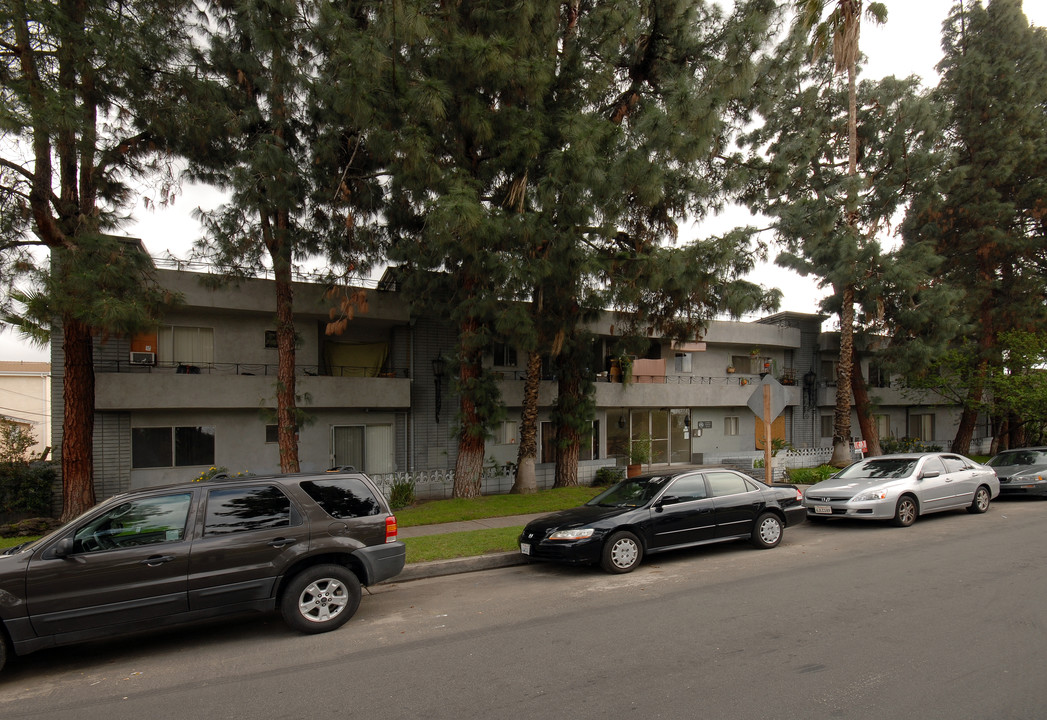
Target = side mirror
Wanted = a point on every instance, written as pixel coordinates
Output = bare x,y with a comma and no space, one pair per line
930,474
64,548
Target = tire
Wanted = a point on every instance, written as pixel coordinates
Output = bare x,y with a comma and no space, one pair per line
906,511
621,553
320,598
5,649
767,531
982,498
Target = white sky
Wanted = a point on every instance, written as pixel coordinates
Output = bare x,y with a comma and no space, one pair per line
910,43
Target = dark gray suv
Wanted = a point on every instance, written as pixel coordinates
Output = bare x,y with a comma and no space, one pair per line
303,544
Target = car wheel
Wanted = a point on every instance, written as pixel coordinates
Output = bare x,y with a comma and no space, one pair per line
906,511
767,532
320,598
982,498
621,553
3,649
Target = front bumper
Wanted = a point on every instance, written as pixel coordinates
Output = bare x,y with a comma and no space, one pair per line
1023,486
574,552
867,510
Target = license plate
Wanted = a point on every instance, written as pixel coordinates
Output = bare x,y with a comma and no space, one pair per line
525,548
823,510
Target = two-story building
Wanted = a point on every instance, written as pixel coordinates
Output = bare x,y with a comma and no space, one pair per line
199,391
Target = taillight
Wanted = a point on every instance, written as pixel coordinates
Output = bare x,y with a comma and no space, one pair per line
799,495
390,529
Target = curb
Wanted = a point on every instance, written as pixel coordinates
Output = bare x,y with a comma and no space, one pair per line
439,568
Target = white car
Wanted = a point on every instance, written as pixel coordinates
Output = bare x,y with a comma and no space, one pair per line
900,488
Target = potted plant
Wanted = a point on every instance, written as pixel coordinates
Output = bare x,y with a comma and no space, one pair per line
730,369
639,455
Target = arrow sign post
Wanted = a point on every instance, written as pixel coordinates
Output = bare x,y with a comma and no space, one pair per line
767,402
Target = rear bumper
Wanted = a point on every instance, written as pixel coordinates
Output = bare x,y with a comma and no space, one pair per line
382,562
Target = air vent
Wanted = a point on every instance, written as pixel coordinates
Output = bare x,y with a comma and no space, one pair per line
143,358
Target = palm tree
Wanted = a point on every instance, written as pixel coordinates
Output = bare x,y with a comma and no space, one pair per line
842,27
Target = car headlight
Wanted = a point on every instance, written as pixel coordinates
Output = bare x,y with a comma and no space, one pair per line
576,534
870,495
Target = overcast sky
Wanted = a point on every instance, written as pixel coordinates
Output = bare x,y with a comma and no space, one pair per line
909,44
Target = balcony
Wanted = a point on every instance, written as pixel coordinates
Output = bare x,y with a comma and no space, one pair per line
122,386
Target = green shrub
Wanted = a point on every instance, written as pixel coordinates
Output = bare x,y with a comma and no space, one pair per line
906,445
401,494
25,488
607,476
810,476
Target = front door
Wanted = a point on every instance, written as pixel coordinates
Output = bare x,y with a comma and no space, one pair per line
128,563
684,514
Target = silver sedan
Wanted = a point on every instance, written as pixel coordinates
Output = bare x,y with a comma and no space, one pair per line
902,487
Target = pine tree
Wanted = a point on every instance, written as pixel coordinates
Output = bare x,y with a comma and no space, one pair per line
89,98
986,216
291,138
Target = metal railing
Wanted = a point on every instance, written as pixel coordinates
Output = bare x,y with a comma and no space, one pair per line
174,368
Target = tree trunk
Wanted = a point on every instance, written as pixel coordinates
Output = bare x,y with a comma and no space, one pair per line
862,404
286,400
566,458
526,482
78,491
842,422
469,464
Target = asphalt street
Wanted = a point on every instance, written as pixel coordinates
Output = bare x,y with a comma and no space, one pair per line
843,620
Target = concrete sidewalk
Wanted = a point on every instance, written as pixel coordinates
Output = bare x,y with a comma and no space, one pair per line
437,568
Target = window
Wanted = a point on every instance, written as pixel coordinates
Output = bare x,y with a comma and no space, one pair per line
185,345
343,498
828,371
504,355
231,510
730,426
726,483
685,489
921,426
272,434
270,339
878,377
683,362
506,433
827,426
954,464
145,521
741,363
883,425
172,447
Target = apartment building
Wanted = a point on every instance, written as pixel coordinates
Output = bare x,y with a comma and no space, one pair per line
200,390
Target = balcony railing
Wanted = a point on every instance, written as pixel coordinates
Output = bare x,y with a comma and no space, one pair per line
171,368
604,377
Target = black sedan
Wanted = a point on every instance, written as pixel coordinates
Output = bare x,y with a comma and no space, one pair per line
663,511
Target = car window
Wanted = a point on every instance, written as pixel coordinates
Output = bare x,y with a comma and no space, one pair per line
726,483
231,510
954,464
1019,457
685,489
143,521
633,492
934,464
343,498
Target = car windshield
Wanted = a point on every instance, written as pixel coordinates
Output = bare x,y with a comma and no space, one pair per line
630,493
1019,457
880,468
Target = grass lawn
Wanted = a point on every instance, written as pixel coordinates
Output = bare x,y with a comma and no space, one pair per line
462,544
11,542
443,511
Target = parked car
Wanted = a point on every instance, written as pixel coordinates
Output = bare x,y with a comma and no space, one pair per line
1021,472
663,511
302,544
900,488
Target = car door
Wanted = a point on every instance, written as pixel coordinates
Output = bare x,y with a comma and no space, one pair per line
738,501
933,484
128,562
250,533
683,514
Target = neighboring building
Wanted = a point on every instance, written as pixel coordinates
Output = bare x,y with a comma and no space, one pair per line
25,400
199,392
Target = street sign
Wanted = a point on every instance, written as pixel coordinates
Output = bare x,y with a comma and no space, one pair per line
777,398
861,445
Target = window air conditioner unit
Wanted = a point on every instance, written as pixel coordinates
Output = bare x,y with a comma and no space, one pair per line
143,358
